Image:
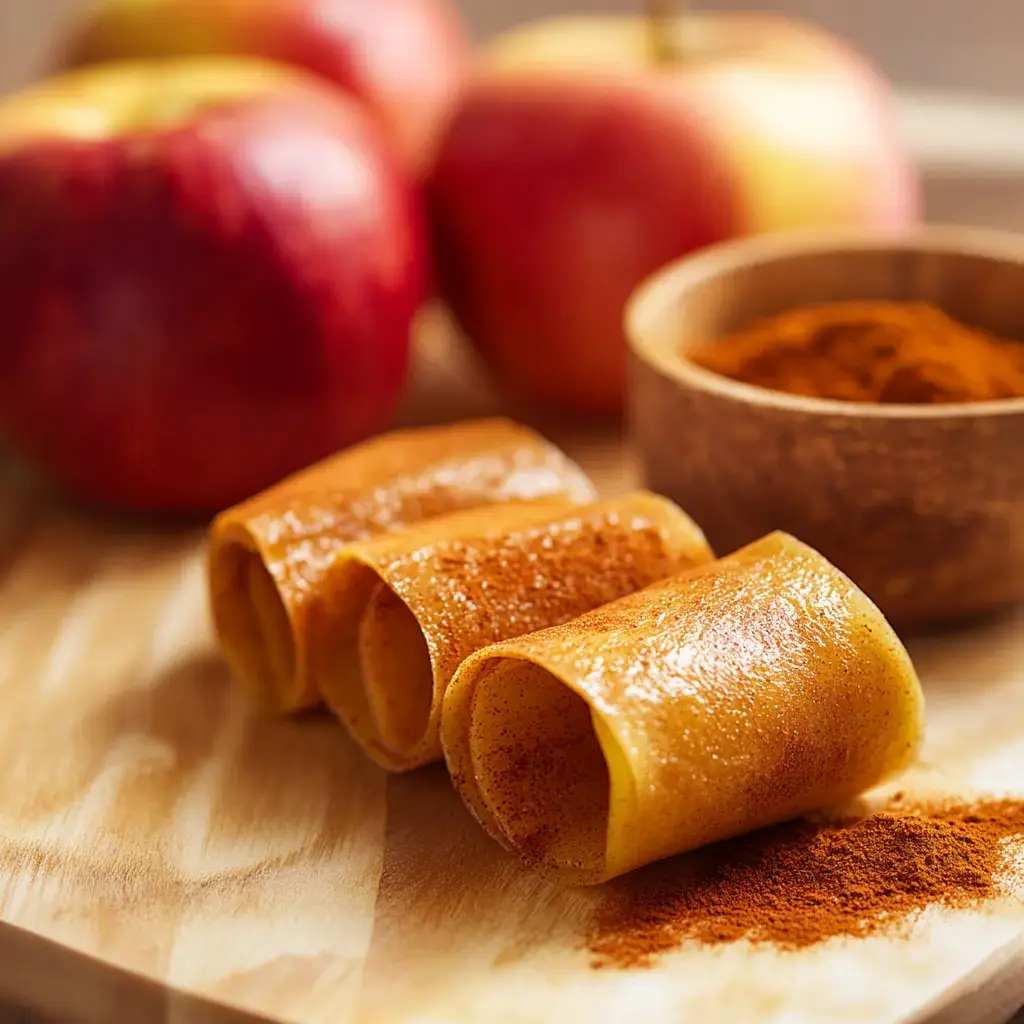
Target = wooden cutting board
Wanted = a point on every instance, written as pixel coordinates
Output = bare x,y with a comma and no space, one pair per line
167,854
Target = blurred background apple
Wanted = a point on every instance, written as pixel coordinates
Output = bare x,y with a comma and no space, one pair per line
405,59
589,151
584,152
208,272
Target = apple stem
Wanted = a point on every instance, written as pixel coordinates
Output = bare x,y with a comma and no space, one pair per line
663,24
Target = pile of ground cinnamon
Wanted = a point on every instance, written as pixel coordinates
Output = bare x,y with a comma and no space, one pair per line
886,352
803,882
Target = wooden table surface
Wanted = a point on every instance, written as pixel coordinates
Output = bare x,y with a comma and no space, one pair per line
168,855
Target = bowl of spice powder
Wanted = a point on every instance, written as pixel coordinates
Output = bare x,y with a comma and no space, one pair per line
862,391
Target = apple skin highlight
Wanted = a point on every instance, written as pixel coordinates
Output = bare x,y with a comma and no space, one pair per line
405,60
193,311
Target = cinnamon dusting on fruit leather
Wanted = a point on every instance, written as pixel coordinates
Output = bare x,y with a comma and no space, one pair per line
884,352
803,882
398,614
268,555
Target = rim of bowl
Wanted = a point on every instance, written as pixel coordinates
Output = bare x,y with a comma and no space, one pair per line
695,268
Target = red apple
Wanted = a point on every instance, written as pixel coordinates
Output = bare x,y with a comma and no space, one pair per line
578,162
208,271
404,58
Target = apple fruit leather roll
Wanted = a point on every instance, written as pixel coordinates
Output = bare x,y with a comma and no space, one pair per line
401,612
268,555
745,692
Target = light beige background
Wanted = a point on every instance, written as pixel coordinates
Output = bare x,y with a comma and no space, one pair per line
946,44
971,45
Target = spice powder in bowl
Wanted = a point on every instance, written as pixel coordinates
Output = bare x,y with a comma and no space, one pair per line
804,882
882,352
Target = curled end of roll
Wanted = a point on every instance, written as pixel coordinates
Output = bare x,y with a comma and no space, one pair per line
375,667
528,761
254,624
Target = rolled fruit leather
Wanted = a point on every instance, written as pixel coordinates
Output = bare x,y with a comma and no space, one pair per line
401,612
268,555
748,691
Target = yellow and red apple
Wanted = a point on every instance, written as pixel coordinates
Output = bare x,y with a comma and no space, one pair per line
405,59
578,162
208,271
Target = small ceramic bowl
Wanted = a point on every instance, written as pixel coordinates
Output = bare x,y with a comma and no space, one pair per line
923,506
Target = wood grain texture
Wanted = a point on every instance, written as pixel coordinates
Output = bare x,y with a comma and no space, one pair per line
166,854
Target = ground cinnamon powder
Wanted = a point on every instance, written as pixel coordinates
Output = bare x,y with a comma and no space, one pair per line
803,882
887,352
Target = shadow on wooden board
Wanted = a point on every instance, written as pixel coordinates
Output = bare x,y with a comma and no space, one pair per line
42,982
